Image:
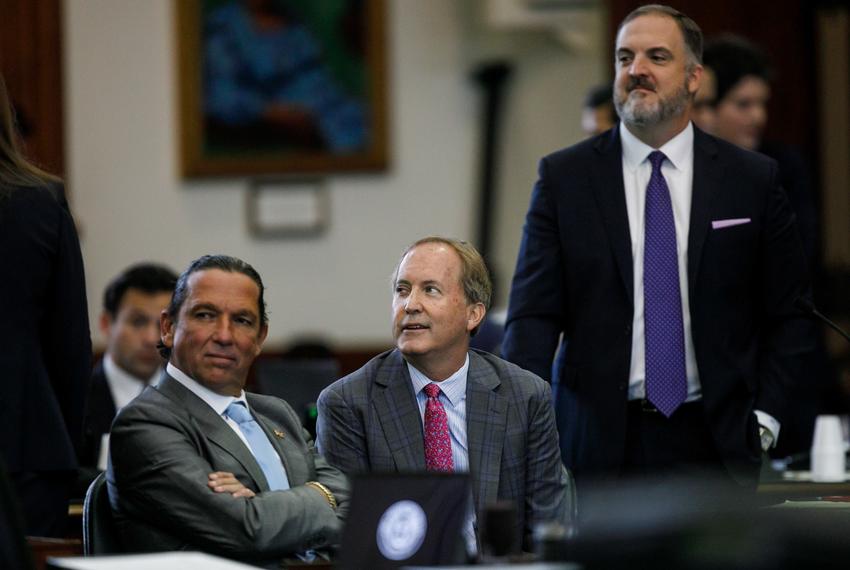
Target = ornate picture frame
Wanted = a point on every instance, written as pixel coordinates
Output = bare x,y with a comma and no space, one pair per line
281,87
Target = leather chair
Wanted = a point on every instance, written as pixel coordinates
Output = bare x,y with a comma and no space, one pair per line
99,534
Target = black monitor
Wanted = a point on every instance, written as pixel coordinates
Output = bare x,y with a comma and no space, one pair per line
404,519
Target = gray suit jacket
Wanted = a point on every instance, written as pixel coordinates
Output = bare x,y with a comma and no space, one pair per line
369,421
163,446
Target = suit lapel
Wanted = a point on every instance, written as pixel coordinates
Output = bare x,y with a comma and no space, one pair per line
486,420
214,428
708,174
399,415
610,193
101,402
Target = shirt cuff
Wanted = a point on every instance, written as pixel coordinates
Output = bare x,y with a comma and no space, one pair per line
769,423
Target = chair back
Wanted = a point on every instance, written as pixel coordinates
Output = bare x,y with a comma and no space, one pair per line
572,501
99,533
298,381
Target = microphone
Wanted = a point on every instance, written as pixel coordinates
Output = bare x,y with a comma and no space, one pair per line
808,307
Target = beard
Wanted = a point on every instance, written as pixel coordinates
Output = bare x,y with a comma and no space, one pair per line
640,113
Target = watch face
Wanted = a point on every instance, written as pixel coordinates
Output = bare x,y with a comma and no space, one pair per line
401,530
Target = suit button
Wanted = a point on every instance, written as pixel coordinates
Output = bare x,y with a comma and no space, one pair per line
622,386
628,330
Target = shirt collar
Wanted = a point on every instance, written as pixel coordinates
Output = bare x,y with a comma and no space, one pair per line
216,401
677,150
454,387
118,374
122,385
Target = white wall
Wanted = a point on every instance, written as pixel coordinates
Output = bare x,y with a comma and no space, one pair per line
131,205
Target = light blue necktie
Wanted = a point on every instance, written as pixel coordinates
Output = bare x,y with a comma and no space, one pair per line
666,377
262,448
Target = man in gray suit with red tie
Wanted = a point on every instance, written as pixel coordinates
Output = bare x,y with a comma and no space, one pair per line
435,404
670,263
198,463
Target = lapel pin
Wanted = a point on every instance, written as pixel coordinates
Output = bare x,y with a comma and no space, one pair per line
279,434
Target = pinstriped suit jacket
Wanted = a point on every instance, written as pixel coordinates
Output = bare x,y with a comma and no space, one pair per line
369,421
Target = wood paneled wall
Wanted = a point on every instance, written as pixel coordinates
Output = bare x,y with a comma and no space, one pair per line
31,63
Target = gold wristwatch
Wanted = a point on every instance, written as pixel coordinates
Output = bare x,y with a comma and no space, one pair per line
329,497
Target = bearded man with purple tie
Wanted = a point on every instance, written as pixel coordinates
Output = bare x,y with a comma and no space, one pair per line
435,404
670,263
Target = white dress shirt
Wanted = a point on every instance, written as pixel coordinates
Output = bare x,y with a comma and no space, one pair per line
215,401
678,172
123,386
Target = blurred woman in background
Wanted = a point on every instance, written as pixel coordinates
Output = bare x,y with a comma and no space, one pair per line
45,347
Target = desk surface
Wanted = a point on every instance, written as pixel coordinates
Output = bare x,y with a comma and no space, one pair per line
161,561
802,489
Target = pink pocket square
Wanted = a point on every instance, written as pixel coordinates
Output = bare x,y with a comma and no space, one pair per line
720,224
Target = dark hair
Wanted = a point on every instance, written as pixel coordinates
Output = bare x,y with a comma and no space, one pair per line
599,95
691,32
474,275
602,97
147,277
223,263
15,170
732,58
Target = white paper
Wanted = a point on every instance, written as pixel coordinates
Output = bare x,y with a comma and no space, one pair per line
160,561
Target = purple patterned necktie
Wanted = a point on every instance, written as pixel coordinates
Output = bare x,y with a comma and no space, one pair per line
666,379
438,446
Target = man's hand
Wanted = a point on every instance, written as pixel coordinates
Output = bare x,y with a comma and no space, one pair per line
224,482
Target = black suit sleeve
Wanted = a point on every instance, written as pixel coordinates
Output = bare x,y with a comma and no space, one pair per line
535,311
66,338
788,338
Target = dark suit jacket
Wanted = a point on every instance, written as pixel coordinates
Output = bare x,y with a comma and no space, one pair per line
45,361
165,443
370,421
574,275
100,411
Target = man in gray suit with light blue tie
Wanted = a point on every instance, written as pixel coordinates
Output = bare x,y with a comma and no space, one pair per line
198,463
433,403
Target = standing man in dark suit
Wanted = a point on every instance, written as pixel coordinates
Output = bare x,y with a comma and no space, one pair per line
198,463
432,403
132,303
670,262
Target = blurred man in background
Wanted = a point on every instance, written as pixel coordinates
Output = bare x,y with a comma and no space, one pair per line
132,303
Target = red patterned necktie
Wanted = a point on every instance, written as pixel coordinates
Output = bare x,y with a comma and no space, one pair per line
438,445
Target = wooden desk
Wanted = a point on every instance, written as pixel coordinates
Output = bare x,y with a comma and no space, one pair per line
75,521
44,548
796,490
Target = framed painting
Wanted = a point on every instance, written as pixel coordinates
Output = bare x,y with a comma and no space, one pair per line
281,86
